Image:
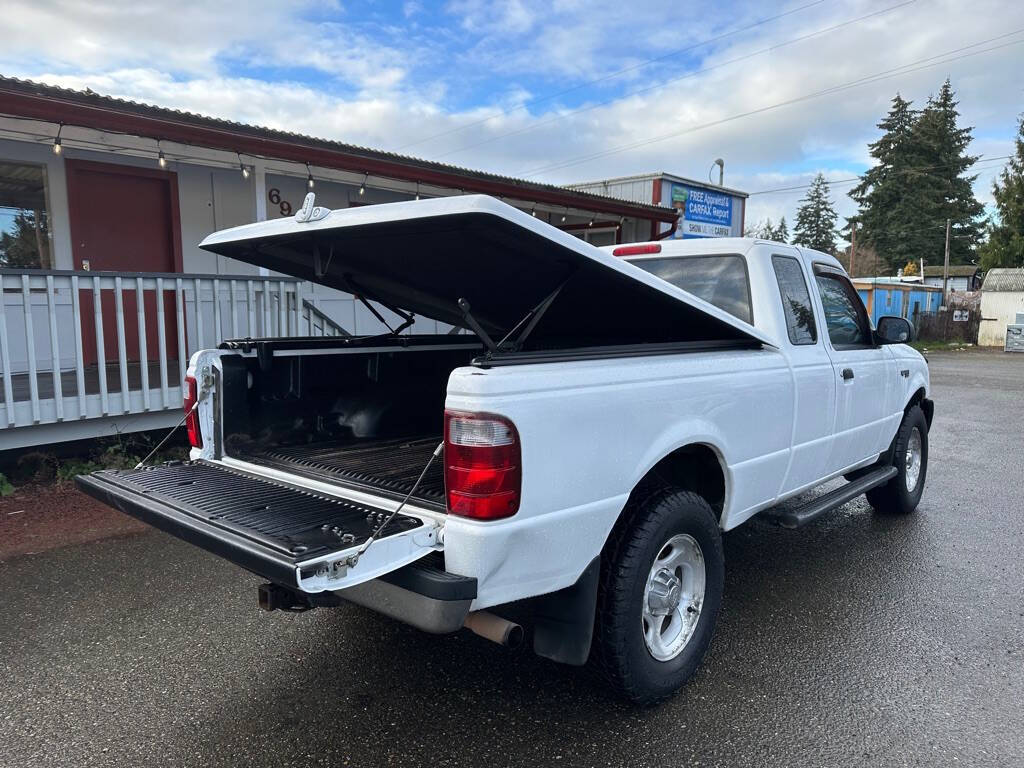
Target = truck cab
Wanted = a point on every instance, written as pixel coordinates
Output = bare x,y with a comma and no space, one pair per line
848,388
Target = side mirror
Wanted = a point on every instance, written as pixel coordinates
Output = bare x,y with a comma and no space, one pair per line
894,330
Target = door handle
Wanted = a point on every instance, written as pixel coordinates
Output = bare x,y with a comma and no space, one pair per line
847,374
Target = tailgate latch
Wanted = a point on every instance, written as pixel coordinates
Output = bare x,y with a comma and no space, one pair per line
336,570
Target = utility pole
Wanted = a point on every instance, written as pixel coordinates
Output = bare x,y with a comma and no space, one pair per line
853,245
945,268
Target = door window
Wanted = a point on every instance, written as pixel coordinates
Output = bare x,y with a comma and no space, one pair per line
845,316
796,300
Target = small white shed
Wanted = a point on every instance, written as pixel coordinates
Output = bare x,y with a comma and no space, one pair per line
1002,298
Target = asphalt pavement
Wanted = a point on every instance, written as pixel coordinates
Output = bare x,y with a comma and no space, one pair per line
858,640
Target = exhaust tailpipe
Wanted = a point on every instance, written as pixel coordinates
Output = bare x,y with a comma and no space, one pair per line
494,628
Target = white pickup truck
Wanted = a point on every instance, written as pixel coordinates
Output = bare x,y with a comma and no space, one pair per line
610,415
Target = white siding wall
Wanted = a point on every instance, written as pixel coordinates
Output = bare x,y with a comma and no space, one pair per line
341,307
955,283
998,309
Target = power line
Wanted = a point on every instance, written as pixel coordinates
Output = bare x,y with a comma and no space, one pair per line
640,65
981,159
903,69
665,83
878,76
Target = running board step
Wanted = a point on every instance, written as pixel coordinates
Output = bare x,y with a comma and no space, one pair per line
818,506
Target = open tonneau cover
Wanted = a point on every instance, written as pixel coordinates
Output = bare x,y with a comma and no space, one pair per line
425,256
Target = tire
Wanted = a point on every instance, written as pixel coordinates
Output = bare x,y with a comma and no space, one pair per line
895,497
624,633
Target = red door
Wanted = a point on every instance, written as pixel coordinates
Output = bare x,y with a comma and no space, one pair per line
124,219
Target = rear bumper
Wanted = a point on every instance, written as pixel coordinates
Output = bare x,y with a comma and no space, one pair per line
421,594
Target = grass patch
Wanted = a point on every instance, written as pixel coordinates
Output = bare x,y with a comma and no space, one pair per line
941,346
6,489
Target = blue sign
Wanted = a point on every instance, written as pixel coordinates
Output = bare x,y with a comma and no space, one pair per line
704,213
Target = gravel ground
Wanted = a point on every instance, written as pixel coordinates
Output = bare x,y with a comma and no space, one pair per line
855,641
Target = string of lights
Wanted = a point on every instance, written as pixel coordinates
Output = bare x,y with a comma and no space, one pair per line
164,156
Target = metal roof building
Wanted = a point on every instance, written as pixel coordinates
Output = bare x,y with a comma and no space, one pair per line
104,292
1002,300
1004,279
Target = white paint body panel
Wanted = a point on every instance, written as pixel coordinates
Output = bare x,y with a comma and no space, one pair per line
778,419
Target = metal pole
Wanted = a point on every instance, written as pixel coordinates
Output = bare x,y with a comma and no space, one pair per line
945,268
853,245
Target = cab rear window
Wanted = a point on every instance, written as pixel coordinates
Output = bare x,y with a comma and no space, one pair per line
719,279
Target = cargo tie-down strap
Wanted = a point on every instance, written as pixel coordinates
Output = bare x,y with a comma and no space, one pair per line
354,557
175,428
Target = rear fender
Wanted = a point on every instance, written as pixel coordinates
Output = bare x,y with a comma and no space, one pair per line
681,435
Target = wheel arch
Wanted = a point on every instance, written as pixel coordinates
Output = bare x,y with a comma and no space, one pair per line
920,398
696,466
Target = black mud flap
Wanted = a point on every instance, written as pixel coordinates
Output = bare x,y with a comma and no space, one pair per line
287,534
564,620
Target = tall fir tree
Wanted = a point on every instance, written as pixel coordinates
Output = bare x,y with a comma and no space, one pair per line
766,231
816,218
26,244
782,231
940,187
888,206
1005,246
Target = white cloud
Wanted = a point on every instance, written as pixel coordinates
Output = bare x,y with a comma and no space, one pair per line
145,53
191,38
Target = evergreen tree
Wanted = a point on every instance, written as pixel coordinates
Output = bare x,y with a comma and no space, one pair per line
766,231
782,231
938,187
1005,246
887,203
816,218
25,245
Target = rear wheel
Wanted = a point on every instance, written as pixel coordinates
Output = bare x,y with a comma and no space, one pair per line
662,574
900,496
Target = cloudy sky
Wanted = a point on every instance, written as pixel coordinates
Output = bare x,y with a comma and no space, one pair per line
559,91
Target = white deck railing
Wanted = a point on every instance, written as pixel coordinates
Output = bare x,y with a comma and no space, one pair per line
71,348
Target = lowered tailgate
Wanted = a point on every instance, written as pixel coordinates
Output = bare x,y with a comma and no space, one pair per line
290,535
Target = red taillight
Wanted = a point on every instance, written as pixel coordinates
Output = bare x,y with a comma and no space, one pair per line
637,250
195,437
483,471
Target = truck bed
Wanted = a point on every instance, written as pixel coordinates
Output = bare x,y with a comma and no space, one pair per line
383,466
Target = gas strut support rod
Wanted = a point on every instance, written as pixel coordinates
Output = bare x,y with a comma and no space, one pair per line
475,326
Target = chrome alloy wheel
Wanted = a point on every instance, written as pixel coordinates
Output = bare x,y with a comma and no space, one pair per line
913,460
673,597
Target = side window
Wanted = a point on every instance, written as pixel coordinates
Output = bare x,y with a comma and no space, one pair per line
796,300
845,316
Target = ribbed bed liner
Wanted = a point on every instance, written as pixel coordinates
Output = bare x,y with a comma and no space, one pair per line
292,521
391,466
